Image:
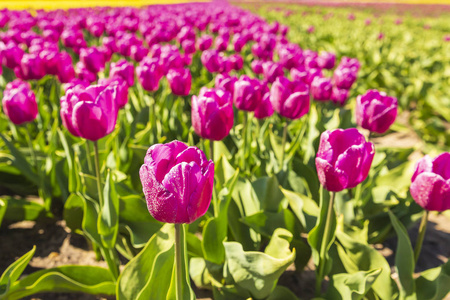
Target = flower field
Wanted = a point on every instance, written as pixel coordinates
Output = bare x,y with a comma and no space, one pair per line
225,151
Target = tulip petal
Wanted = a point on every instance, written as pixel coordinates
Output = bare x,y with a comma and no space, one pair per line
431,191
201,198
89,121
333,179
441,165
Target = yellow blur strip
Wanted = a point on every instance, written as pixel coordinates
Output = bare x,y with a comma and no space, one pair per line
65,4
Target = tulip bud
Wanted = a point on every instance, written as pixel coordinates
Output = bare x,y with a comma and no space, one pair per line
123,69
272,70
19,102
83,73
225,82
289,99
257,66
121,89
180,81
247,93
177,181
212,114
344,78
376,111
339,96
210,59
430,183
93,59
12,55
344,158
236,61
265,108
321,88
149,74
138,52
90,113
31,67
326,60
204,42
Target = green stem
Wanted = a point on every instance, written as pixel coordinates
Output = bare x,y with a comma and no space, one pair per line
178,261
244,136
88,157
211,150
323,246
30,145
420,237
111,259
283,145
214,196
97,174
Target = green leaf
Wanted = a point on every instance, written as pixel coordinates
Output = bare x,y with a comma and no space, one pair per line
3,207
351,286
258,272
356,255
149,274
398,178
301,205
282,293
85,279
108,219
404,260
20,162
21,209
13,272
265,223
268,193
433,284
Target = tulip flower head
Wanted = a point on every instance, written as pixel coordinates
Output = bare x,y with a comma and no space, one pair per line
376,111
180,81
19,102
149,73
123,69
430,183
290,98
177,181
247,93
344,158
212,114
321,88
90,113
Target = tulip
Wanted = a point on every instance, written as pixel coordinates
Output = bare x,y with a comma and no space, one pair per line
212,114
93,59
351,63
90,113
123,69
321,88
19,102
339,96
204,42
299,74
177,181
326,60
344,158
311,74
376,111
149,74
210,59
289,98
221,43
83,73
265,108
430,183
188,46
272,70
247,93
290,56
31,67
344,78
121,88
75,82
12,55
180,81
257,66
226,82
236,61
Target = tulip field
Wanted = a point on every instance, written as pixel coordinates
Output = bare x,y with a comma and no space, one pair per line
225,151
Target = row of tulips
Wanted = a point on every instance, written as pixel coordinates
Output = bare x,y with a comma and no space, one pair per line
178,181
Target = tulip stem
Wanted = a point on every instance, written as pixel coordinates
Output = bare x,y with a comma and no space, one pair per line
178,262
88,156
244,135
97,174
211,150
30,145
420,237
283,145
323,245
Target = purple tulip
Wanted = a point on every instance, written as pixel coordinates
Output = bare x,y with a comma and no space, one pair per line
75,82
226,82
12,55
272,70
344,78
188,46
326,60
138,52
265,108
149,74
212,114
299,74
180,81
239,41
289,98
93,59
210,59
351,63
90,113
204,42
312,74
19,102
221,43
237,61
123,69
257,66
31,67
177,181
430,183
290,56
376,111
83,73
344,158
247,93
339,96
321,88
121,89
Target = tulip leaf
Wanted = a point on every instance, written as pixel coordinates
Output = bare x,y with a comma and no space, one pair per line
282,293
214,234
351,286
268,193
433,284
149,275
258,272
17,210
108,219
357,255
404,260
3,207
265,223
398,178
20,162
13,272
85,279
304,208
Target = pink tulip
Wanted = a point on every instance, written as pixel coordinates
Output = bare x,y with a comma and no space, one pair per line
180,81
19,102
